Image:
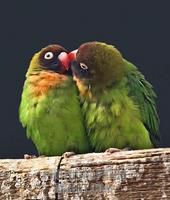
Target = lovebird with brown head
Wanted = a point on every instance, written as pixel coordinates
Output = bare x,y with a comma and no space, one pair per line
118,103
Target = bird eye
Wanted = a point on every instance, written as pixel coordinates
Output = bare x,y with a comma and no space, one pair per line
49,55
83,66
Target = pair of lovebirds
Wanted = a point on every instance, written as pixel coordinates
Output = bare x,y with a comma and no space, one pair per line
90,99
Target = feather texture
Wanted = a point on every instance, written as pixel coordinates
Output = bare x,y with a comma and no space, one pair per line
143,94
51,114
123,114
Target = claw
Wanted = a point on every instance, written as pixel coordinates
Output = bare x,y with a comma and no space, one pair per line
27,156
112,150
68,154
126,149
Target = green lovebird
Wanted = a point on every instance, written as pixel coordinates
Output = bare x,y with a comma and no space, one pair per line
118,104
50,109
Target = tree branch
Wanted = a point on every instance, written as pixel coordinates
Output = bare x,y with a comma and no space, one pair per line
141,174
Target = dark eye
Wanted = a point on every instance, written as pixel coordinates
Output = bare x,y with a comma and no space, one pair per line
49,55
83,66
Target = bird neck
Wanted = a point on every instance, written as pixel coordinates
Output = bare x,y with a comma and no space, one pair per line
92,93
43,81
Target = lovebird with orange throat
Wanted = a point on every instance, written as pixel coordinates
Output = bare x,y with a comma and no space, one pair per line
118,103
49,108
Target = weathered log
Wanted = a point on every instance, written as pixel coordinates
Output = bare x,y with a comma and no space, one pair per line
141,174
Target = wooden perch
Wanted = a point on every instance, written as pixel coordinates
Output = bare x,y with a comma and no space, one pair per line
126,175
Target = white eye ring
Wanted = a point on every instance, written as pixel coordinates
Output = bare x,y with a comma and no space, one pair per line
49,55
83,66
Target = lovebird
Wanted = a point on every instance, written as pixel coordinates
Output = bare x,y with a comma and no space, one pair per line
118,104
50,108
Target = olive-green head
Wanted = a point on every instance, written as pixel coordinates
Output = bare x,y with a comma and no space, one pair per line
51,58
97,64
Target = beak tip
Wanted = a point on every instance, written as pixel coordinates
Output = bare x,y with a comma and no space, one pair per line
72,55
64,59
67,59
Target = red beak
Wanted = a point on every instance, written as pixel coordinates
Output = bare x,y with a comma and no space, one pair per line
64,60
72,55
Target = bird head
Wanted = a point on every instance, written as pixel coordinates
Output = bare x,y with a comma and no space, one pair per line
51,58
97,64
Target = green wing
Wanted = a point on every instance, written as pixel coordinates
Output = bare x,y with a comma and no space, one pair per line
54,121
142,92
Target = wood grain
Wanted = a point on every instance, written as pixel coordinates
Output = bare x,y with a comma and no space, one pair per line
125,175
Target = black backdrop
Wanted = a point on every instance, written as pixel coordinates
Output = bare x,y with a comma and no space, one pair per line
140,29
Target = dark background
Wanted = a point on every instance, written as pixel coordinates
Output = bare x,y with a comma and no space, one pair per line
140,29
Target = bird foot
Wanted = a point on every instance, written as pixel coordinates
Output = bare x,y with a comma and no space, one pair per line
126,149
27,156
68,154
41,156
112,150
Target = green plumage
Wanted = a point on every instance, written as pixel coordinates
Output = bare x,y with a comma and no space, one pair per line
53,120
144,96
118,114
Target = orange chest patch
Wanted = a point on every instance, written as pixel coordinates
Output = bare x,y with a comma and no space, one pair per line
44,81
